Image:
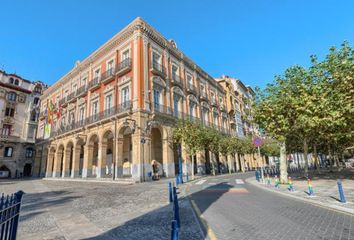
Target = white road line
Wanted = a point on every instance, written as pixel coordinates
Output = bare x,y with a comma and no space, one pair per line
239,181
200,182
212,183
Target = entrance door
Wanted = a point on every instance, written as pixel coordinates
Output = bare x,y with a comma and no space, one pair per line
27,169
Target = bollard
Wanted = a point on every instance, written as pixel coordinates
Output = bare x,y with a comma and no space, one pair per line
276,180
174,230
341,192
309,184
170,192
176,208
290,184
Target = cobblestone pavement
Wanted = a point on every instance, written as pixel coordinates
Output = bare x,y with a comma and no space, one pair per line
235,209
77,210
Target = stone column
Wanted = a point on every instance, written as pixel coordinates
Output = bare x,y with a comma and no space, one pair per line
88,155
138,168
43,160
102,160
168,160
66,163
230,161
76,161
242,160
57,163
50,160
237,162
119,158
186,161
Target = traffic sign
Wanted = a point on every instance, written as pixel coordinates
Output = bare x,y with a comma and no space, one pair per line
257,141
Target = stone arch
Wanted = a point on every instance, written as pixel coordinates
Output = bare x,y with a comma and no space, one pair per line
105,160
124,151
5,172
157,152
91,160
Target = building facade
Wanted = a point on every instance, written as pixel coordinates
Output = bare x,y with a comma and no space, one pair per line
19,104
112,115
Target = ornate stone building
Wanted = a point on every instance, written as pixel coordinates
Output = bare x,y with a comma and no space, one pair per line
19,110
111,116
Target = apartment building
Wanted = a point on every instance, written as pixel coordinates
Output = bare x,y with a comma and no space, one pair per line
19,110
111,116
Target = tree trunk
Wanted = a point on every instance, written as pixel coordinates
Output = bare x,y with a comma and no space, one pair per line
330,158
306,151
337,161
193,165
283,163
317,162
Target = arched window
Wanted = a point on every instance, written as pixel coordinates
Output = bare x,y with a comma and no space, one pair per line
33,115
17,82
35,100
11,80
11,96
38,89
29,152
8,151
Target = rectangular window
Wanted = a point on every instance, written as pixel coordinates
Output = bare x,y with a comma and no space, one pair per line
66,93
175,106
10,112
191,108
6,130
174,72
74,87
97,73
83,82
71,117
8,152
82,114
29,152
156,58
125,55
190,80
156,99
110,67
108,104
94,112
125,96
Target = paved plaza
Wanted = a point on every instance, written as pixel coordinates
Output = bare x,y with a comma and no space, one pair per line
91,210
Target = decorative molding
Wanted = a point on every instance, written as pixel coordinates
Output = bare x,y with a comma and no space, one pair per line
124,80
178,91
158,81
94,96
192,98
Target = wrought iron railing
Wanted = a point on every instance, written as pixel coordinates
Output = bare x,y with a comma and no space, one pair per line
10,207
159,68
123,65
94,82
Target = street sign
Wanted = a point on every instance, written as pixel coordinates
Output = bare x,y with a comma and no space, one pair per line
257,142
142,141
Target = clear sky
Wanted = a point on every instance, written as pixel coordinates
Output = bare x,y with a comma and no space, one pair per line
251,40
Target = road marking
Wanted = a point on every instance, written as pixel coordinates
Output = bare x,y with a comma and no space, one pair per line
239,181
225,190
212,183
210,233
200,182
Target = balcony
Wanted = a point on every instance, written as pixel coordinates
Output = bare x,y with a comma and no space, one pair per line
107,75
94,83
191,89
81,91
71,97
161,109
158,69
62,102
176,80
203,96
123,67
8,138
104,115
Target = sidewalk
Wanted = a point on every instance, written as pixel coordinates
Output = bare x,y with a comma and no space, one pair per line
325,191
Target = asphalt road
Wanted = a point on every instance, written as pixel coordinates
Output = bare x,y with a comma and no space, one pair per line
235,209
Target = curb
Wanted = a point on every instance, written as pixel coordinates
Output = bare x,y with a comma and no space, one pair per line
339,209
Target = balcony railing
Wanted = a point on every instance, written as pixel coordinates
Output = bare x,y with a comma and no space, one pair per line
157,68
70,96
81,90
203,96
94,83
191,88
62,101
107,75
176,80
106,114
124,66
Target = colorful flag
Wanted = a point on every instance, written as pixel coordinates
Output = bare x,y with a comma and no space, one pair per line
50,112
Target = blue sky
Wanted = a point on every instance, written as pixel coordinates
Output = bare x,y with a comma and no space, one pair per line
250,40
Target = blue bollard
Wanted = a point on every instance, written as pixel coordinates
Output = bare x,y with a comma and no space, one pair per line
170,192
341,192
176,208
174,231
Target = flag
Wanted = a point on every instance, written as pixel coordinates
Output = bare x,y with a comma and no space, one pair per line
59,112
46,131
50,112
